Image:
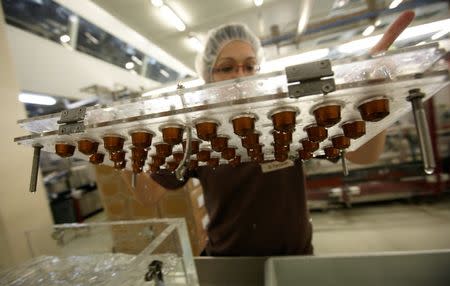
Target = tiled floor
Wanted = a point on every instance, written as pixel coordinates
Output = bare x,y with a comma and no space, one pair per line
391,226
394,226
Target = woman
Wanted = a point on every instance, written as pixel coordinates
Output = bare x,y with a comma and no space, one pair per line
256,213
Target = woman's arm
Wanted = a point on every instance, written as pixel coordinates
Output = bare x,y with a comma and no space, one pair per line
371,151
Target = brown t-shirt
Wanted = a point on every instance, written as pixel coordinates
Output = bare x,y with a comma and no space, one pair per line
253,213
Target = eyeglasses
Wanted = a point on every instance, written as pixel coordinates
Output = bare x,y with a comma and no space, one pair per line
229,68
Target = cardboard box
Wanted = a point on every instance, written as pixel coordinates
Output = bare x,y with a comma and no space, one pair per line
150,200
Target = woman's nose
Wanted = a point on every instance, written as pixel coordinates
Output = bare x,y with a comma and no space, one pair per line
239,72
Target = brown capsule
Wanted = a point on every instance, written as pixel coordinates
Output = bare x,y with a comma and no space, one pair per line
64,150
229,153
141,138
284,119
158,161
281,148
206,129
172,165
243,124
354,129
204,154
195,144
120,165
219,143
136,168
258,158
193,164
113,143
282,138
281,156
316,133
304,155
163,149
138,154
340,142
97,158
309,146
87,146
236,161
250,140
172,133
255,151
331,152
178,156
154,168
374,110
213,162
327,116
117,157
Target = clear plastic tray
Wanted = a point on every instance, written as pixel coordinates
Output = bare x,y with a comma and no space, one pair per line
110,253
390,75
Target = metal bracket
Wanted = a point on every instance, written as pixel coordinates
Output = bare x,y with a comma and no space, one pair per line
72,121
310,78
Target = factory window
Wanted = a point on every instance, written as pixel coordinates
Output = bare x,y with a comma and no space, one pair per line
94,41
41,17
52,21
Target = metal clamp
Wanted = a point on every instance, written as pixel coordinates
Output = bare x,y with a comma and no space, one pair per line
35,167
310,78
155,272
72,121
420,118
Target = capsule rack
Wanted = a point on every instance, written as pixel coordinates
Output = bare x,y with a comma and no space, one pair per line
379,83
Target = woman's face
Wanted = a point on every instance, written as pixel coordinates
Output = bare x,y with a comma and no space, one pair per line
237,59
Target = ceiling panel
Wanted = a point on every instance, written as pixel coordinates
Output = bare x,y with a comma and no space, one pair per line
200,16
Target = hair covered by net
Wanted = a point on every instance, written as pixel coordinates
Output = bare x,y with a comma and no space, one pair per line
220,37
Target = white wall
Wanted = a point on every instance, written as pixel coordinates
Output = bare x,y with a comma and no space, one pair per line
47,67
19,210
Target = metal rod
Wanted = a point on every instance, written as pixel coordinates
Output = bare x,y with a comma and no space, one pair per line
420,118
133,180
35,167
182,167
344,163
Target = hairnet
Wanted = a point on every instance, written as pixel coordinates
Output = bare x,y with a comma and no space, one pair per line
219,38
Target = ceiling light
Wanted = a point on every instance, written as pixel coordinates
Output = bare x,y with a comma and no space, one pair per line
425,29
164,73
157,3
136,60
258,2
64,38
195,43
172,18
411,32
280,64
394,4
91,38
440,34
33,98
369,30
358,45
129,65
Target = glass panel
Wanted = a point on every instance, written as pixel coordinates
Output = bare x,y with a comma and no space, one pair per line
42,17
94,41
159,72
52,21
